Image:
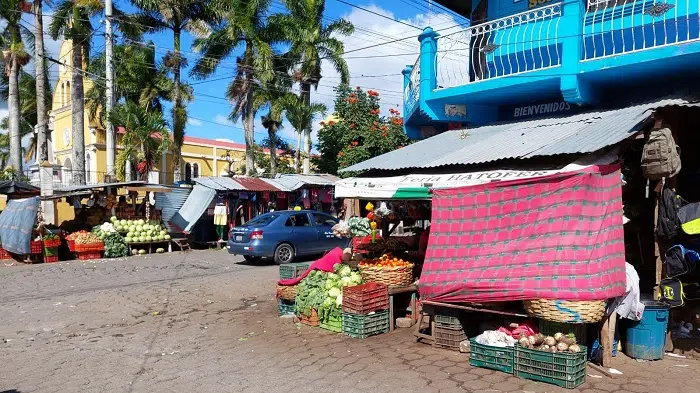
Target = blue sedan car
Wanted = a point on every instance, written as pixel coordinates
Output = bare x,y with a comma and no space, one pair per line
284,235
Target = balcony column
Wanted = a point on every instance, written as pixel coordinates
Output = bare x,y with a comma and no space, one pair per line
406,72
410,131
428,62
573,89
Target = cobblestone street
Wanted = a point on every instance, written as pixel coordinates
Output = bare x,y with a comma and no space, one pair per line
206,322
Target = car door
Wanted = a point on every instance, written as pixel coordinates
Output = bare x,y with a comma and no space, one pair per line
326,240
301,232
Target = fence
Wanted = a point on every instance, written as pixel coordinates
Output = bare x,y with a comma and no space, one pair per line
508,46
412,90
64,178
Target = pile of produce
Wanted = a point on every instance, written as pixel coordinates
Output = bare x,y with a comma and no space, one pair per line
86,238
385,246
359,226
50,237
137,231
324,291
557,343
115,246
385,261
74,235
341,229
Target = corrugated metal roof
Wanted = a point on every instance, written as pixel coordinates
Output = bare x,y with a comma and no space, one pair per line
99,185
581,133
219,183
278,185
170,203
255,184
294,181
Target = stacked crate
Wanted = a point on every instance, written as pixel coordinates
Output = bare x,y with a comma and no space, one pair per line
365,310
449,330
288,271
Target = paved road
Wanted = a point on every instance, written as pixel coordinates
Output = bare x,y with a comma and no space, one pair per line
207,322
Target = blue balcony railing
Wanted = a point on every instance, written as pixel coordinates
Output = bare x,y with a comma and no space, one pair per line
411,92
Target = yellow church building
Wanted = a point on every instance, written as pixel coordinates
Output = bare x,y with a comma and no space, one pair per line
200,156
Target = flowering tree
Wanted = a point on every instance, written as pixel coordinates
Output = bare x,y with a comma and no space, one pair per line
359,131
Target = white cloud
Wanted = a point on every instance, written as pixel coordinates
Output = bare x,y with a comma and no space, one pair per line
222,119
194,122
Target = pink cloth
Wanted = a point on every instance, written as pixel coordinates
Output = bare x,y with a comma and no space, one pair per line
528,328
325,263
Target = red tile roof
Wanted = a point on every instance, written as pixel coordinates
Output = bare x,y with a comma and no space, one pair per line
255,184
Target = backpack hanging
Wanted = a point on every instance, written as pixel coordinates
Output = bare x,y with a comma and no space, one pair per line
689,218
660,158
671,292
680,261
670,204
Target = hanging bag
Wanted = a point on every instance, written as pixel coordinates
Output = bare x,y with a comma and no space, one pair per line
680,261
671,292
660,158
669,224
689,218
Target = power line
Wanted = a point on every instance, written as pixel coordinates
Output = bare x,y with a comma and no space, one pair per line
378,14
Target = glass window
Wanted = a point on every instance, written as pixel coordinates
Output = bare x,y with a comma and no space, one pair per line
262,220
324,220
298,220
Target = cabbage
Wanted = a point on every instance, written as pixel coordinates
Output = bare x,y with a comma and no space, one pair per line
328,302
346,281
333,276
339,300
345,271
334,292
337,267
329,284
356,278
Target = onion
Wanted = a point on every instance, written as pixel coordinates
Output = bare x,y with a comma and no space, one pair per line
524,342
539,339
566,340
558,336
550,341
533,341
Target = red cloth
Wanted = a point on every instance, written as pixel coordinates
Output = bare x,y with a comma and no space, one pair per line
325,263
527,327
553,237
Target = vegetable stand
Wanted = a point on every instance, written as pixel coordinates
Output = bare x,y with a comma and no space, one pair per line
148,246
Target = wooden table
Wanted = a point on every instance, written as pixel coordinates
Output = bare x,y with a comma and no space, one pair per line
149,244
413,290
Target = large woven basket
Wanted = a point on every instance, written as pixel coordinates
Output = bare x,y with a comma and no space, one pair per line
287,292
391,276
566,311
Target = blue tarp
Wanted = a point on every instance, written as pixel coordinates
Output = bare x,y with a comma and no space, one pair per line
16,224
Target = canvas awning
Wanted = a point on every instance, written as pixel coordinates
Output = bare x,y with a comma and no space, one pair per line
193,208
419,185
16,224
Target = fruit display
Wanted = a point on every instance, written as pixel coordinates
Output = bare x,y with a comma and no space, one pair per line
558,343
137,231
115,246
86,238
385,261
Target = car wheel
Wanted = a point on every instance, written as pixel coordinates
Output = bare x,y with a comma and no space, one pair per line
251,258
284,253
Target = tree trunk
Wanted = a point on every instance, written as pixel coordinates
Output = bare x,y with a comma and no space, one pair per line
272,136
248,126
14,108
42,117
297,157
78,115
178,111
306,96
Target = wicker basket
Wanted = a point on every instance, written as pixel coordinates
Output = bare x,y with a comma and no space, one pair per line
566,311
310,320
287,292
391,276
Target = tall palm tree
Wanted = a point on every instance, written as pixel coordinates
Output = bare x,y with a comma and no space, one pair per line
15,56
240,24
301,117
312,42
176,16
146,137
41,84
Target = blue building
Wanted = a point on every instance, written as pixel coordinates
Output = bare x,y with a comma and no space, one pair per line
524,59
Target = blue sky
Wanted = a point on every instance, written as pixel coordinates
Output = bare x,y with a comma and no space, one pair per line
377,68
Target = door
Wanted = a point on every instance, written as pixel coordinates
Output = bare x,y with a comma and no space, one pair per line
301,233
326,240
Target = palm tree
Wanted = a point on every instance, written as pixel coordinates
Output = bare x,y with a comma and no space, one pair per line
240,24
177,16
14,58
312,42
301,117
146,137
41,84
138,78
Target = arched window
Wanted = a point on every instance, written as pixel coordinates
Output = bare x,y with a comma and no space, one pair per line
188,172
62,97
67,172
195,170
88,162
67,93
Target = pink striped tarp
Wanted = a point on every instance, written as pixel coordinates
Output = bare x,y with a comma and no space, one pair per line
553,237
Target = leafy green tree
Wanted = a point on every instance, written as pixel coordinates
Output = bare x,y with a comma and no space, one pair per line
146,138
14,56
240,25
312,42
360,132
301,116
177,16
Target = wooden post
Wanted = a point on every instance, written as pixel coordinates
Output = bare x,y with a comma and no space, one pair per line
605,342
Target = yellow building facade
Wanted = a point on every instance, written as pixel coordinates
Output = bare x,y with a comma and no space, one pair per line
200,156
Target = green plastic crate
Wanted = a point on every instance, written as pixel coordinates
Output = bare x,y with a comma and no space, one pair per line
334,324
366,325
551,328
285,307
567,370
449,338
496,358
292,270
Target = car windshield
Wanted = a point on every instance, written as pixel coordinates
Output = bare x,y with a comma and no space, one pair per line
263,220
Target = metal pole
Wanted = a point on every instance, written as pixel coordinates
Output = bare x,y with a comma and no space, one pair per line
109,57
